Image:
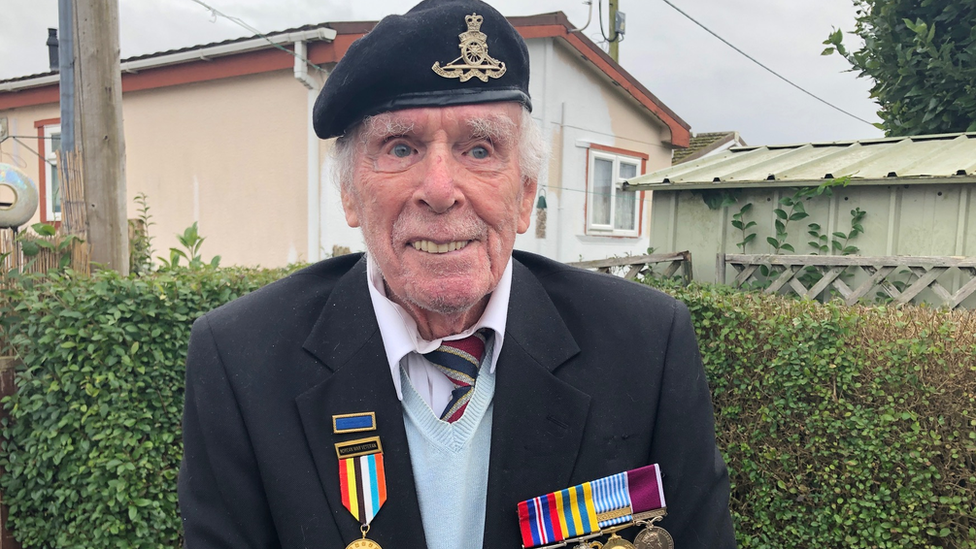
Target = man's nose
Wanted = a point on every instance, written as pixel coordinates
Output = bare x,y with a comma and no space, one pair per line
439,188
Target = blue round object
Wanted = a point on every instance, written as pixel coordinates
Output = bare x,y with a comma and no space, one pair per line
25,197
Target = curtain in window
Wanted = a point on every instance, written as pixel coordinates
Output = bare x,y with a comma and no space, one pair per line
625,203
603,181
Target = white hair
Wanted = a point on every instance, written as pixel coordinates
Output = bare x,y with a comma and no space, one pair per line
531,143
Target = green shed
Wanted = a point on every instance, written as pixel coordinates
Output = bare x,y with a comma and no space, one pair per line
916,192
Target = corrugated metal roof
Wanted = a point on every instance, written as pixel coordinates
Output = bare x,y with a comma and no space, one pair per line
940,158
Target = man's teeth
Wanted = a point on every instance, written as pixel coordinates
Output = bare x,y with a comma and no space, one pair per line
435,248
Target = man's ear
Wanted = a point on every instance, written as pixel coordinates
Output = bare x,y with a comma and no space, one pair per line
525,208
350,205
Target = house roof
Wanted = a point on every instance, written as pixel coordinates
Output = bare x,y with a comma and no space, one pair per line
223,59
920,159
704,143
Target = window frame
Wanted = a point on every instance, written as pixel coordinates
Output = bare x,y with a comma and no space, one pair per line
46,171
616,156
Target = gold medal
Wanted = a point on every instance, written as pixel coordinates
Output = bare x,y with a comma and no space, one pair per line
617,542
364,543
653,537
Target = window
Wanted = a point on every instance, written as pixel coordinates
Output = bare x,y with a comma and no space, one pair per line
612,211
52,181
49,182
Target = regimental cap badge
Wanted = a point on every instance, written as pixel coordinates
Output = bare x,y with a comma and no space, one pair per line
474,61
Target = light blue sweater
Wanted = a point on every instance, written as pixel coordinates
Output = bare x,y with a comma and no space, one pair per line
450,464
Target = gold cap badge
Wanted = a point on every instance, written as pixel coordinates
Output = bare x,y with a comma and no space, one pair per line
474,61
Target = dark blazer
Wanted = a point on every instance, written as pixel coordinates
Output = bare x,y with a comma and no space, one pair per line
597,375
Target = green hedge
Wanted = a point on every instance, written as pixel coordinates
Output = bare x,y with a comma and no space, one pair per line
93,446
842,427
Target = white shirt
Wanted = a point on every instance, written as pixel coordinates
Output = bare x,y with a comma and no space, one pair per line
405,347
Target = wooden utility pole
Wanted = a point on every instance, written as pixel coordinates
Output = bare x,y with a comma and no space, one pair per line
614,37
98,130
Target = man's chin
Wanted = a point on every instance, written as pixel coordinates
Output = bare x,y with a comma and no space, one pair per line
448,296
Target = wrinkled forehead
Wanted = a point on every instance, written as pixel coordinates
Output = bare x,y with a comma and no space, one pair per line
496,121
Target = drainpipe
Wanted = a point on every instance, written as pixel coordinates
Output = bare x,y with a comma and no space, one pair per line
314,170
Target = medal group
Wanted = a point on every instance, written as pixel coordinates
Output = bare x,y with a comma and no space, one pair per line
594,509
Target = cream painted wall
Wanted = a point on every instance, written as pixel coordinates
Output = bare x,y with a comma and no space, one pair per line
228,154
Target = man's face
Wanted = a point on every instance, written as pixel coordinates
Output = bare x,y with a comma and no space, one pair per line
439,196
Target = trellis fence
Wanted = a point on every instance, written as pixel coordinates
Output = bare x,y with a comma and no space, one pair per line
631,266
902,278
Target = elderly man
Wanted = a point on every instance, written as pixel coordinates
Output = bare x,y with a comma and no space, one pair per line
415,396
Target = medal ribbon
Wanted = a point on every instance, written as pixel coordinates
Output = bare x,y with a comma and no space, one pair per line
591,506
362,481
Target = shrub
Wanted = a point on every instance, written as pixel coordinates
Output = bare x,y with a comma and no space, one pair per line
842,427
93,443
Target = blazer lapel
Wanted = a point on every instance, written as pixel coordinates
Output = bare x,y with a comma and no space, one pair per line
346,339
538,420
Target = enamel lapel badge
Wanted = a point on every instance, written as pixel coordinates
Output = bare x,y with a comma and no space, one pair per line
474,61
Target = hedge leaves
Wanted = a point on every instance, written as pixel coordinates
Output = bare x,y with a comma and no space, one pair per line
93,443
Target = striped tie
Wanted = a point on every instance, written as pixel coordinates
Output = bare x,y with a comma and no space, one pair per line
460,360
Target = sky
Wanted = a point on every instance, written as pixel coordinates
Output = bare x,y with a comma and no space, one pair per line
705,82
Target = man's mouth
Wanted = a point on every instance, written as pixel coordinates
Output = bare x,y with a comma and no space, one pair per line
435,248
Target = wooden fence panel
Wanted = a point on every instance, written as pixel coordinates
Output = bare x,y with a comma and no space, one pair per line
41,263
637,264
784,272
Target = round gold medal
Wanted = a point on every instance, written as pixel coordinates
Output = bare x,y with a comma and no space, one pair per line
364,544
653,537
617,542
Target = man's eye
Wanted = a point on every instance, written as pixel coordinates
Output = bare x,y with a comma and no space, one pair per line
401,151
479,152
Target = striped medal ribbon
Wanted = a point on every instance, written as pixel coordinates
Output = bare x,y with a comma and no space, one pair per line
591,506
362,483
362,480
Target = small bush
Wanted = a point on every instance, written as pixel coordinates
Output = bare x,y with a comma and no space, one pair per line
842,427
93,443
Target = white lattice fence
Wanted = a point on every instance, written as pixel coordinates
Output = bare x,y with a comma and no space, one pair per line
631,266
902,278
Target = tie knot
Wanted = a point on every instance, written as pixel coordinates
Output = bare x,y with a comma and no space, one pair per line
460,361
471,348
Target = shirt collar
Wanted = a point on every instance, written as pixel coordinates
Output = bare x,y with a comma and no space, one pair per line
399,330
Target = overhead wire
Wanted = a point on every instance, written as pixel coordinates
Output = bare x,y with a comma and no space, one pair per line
771,71
619,36
241,23
17,139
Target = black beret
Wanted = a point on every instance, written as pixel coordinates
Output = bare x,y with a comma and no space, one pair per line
438,54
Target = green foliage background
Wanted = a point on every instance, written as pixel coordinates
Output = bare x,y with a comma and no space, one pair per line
921,55
93,444
842,427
